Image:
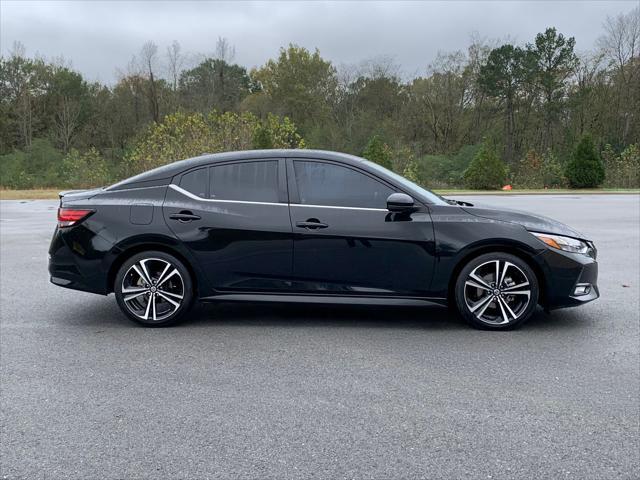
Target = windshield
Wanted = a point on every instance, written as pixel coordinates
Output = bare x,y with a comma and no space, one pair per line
423,193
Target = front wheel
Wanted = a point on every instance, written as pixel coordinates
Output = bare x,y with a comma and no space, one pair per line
496,291
154,289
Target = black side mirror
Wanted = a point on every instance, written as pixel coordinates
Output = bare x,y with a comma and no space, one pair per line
400,202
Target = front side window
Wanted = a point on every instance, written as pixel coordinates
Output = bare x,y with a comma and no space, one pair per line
195,182
248,181
328,184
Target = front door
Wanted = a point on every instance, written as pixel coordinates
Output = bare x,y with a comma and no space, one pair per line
347,242
235,220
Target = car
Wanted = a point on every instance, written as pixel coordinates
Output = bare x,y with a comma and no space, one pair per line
314,227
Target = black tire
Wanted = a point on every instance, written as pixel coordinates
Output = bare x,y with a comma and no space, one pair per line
488,306
153,303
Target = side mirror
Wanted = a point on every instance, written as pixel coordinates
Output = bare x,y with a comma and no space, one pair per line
400,202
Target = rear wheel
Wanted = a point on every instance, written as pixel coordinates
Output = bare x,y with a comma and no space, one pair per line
154,289
496,291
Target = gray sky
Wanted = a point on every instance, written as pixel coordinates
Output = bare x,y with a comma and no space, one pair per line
100,36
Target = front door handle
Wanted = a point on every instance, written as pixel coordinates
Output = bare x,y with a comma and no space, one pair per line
184,216
311,224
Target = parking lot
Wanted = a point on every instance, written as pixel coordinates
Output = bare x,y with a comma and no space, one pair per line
277,391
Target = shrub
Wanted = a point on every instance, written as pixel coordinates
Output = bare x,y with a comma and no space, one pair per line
34,167
486,171
552,174
622,171
183,135
528,172
585,169
378,152
84,170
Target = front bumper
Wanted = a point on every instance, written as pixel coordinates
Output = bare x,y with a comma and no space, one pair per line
571,279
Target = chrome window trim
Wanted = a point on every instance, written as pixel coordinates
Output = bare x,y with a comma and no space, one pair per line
195,197
215,200
339,207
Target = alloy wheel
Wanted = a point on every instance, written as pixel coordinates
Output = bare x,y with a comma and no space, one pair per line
153,289
497,292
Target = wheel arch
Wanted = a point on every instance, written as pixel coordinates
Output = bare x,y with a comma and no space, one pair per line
133,249
523,254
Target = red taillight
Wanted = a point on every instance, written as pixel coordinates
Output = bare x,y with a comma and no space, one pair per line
71,216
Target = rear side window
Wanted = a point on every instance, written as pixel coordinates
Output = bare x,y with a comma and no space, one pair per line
333,185
248,181
195,182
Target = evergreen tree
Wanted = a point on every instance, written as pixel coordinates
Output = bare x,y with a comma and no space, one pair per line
585,169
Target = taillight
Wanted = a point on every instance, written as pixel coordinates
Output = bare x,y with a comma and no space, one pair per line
68,217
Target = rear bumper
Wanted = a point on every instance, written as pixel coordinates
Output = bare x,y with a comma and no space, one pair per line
73,263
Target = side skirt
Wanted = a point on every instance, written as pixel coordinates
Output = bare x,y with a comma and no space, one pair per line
324,299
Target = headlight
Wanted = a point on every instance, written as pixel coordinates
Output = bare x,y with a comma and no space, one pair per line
567,244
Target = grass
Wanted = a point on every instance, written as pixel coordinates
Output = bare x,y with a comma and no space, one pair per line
52,194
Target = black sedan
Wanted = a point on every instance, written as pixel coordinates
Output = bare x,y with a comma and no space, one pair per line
310,226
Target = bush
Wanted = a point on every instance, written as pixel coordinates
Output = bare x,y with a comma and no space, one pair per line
622,171
183,135
585,169
552,174
486,171
378,152
535,171
36,166
84,170
439,171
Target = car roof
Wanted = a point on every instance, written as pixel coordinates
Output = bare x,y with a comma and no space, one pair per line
161,175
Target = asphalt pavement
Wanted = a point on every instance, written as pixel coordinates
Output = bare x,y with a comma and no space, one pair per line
276,391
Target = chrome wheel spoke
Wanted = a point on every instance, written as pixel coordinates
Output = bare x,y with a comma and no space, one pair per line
497,277
521,292
479,280
141,274
172,302
506,305
134,289
174,295
153,299
513,287
505,319
146,312
161,277
485,301
473,284
504,274
133,296
173,272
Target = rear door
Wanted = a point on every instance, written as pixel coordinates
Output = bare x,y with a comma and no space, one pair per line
235,220
345,239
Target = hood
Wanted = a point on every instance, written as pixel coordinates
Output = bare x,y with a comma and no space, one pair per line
535,223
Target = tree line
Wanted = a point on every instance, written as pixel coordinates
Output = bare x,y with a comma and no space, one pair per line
538,114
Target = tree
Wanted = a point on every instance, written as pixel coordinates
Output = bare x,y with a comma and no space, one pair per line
486,171
300,85
507,71
555,61
148,60
621,46
378,152
214,84
585,169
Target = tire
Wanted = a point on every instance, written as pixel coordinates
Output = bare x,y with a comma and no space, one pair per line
154,289
488,306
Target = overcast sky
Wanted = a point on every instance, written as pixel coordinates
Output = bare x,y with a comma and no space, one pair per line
100,36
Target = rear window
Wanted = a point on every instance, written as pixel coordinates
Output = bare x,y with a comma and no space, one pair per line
195,182
248,181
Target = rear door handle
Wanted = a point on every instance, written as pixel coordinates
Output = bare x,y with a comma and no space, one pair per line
311,224
184,216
